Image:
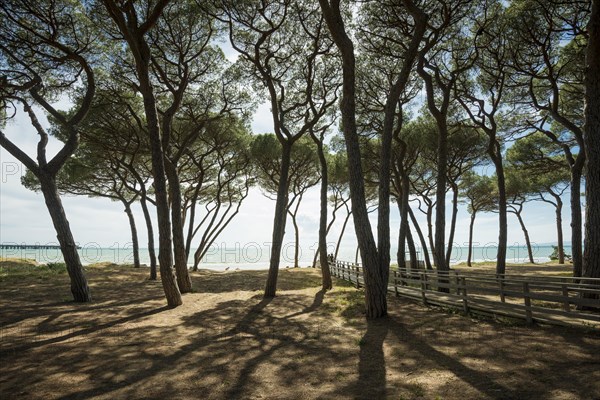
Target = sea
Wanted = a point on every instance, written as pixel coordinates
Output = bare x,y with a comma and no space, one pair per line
256,256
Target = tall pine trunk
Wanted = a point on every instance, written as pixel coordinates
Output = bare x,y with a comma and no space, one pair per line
591,256
495,153
150,229
559,231
576,228
183,276
279,220
134,234
412,250
296,241
440,197
471,239
323,228
526,234
79,286
452,223
401,254
165,253
421,239
134,34
339,242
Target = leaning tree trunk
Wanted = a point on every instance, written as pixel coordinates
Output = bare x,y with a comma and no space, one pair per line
421,239
327,229
412,250
339,242
401,255
323,228
591,257
150,229
134,234
471,239
526,234
183,276
403,206
279,221
430,230
452,223
79,287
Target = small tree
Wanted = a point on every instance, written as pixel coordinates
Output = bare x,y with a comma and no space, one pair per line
304,173
519,190
478,192
548,174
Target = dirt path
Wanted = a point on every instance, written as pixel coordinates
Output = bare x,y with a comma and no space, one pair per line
227,342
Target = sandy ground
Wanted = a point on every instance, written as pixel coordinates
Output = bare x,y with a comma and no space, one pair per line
227,342
548,269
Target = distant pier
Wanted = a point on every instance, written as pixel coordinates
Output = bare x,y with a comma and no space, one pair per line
17,246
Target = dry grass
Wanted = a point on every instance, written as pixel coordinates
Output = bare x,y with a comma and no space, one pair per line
227,342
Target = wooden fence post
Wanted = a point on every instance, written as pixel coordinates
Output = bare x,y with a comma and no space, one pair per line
565,293
456,280
357,277
527,298
396,283
465,299
424,287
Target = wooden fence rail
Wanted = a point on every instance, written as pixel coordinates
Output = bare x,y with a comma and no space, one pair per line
554,300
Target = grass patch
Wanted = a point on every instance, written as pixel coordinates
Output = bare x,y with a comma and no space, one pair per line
19,269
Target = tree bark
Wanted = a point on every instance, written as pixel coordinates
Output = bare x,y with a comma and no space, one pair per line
430,230
79,286
495,152
134,34
452,223
339,242
403,205
421,239
559,230
440,197
279,220
374,274
323,228
412,250
134,235
329,225
401,255
150,229
471,239
296,236
591,256
576,228
183,276
526,234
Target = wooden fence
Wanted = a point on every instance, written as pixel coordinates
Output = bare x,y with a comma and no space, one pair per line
554,300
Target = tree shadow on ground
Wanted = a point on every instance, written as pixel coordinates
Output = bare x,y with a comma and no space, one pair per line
206,281
371,383
304,343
